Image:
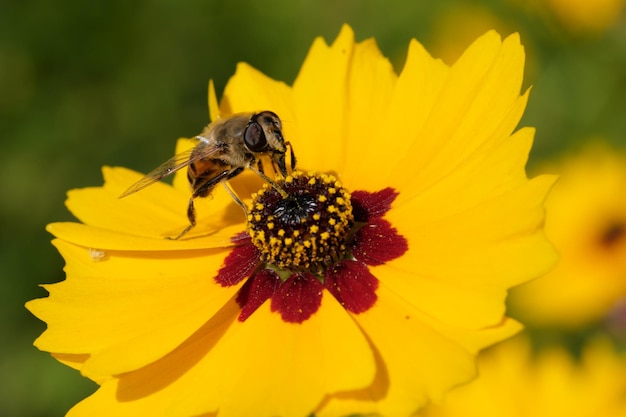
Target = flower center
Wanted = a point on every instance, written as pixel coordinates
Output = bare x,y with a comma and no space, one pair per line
305,231
613,234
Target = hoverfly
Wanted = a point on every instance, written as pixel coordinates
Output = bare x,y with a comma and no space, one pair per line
225,148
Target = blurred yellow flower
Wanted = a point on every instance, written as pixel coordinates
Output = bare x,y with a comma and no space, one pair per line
441,220
586,221
587,16
515,383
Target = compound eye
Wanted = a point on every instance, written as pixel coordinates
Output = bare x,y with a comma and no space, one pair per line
254,137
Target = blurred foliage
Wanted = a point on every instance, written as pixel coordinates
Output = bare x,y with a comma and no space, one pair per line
86,84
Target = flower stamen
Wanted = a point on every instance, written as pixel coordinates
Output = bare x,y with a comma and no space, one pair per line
308,229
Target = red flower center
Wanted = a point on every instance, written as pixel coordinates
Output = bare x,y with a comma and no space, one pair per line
318,237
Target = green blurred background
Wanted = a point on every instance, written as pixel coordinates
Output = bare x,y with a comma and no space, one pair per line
86,84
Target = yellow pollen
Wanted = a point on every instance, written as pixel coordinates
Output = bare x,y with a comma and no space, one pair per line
304,230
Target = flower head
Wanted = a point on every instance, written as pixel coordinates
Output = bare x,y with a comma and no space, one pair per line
586,221
581,16
365,285
514,383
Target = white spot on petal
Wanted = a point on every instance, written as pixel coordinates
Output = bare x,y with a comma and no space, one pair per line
96,255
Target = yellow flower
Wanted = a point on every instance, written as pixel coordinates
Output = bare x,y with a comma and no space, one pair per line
587,16
514,383
432,220
586,221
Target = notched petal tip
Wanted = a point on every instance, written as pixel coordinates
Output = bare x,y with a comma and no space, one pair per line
298,298
370,205
353,285
238,265
378,242
256,291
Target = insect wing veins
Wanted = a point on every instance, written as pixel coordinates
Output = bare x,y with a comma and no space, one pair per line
205,149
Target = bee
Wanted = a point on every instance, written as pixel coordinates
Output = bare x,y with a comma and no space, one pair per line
224,149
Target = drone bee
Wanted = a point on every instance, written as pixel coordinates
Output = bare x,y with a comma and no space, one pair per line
225,148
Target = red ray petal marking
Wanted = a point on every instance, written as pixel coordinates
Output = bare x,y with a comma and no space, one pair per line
378,242
353,285
367,206
241,238
298,298
255,291
239,264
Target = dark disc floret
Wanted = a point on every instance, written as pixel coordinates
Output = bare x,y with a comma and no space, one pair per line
306,230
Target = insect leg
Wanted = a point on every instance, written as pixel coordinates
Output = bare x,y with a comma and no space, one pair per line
293,155
273,183
191,215
234,196
203,189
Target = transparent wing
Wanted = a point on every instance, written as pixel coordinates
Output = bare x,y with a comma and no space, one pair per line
201,151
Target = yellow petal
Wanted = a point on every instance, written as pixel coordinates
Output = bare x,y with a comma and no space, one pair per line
369,87
214,109
156,212
586,204
271,368
494,166
458,270
392,132
416,363
475,340
128,309
152,389
181,181
320,101
420,141
515,381
104,404
260,367
104,240
249,90
508,222
471,306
